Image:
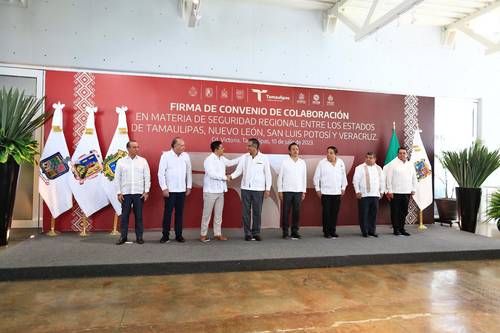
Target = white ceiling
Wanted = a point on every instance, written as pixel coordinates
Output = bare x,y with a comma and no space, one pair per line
427,12
479,19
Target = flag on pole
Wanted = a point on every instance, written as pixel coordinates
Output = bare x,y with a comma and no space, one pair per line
54,168
86,183
117,149
392,152
423,195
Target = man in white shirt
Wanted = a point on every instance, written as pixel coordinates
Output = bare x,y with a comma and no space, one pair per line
292,179
330,182
133,181
368,184
175,178
401,184
255,186
214,186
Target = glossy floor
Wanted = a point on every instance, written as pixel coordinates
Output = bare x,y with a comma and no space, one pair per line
433,297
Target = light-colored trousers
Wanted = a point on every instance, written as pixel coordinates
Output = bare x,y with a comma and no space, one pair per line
211,201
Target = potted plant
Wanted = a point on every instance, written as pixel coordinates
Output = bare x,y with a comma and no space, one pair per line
447,206
19,118
493,211
470,167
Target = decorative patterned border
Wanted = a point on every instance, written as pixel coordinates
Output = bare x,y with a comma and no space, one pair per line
84,93
410,126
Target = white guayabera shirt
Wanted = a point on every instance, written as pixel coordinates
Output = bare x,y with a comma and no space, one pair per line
292,176
174,172
132,175
330,179
215,180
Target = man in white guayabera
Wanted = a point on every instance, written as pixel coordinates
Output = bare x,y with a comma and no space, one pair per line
175,178
368,182
133,181
401,184
255,186
214,187
330,182
292,179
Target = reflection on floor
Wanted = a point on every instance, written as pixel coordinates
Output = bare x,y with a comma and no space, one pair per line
438,297
488,229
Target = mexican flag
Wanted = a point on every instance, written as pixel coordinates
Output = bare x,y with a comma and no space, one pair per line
87,167
392,151
117,149
54,168
423,195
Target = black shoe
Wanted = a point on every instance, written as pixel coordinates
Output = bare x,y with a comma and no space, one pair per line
397,233
180,239
372,234
248,238
257,238
164,239
139,241
296,236
365,235
285,236
334,235
121,241
327,236
404,233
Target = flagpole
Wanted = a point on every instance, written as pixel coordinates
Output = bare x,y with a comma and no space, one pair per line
52,231
84,232
421,226
115,227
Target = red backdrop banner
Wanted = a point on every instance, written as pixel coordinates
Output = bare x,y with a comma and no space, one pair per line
202,110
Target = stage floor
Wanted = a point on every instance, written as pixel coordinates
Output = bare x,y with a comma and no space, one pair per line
71,256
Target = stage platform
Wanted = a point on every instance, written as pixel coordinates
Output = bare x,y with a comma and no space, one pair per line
72,256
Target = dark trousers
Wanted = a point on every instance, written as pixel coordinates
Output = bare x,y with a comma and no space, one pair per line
399,210
367,214
291,201
331,207
175,201
131,201
251,201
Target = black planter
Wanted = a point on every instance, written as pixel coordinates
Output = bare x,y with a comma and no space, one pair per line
447,210
468,201
9,173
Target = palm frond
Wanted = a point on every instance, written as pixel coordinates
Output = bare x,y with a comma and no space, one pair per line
471,166
20,116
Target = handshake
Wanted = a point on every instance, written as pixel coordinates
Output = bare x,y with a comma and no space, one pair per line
228,178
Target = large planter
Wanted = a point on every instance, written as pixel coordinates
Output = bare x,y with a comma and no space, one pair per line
468,201
9,172
447,209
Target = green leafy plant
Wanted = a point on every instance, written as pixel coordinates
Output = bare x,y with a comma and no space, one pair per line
471,166
19,118
493,211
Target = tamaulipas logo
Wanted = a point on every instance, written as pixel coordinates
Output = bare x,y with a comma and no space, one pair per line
259,93
269,98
